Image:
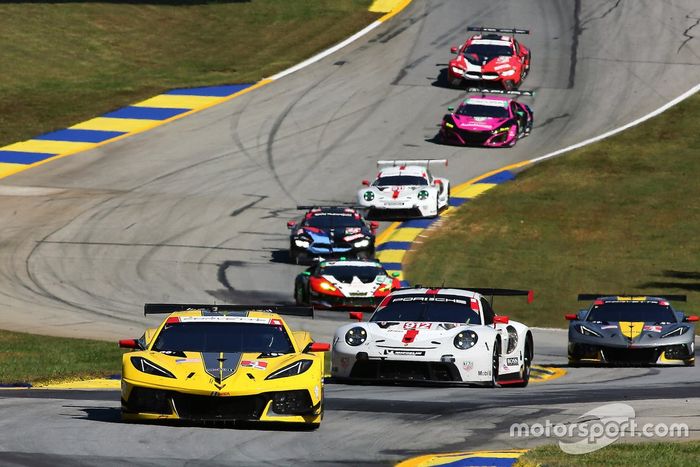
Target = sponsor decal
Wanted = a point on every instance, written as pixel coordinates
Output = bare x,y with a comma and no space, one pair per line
417,325
215,319
488,102
430,299
188,360
224,369
468,365
653,328
257,364
512,361
350,238
484,373
412,353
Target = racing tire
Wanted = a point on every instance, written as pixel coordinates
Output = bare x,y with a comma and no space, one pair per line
509,85
495,360
527,363
455,82
299,296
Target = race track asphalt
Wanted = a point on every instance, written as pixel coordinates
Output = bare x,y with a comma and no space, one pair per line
195,211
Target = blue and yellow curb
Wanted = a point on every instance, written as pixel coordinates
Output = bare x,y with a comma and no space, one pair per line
499,458
115,125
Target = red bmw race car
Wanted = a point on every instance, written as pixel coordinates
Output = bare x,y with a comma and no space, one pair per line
491,57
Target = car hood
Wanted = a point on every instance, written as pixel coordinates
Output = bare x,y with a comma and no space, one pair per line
632,332
356,288
213,370
333,235
419,334
467,122
398,191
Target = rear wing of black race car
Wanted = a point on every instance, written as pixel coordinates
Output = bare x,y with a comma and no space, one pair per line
513,92
498,30
587,297
288,310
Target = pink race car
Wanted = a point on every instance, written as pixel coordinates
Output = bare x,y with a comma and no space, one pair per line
490,121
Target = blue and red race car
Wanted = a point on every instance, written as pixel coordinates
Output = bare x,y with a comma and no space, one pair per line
330,232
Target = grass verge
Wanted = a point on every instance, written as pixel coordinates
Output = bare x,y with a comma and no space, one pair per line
66,62
36,359
618,216
686,454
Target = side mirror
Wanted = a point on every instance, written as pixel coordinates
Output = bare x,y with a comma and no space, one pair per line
318,347
571,316
453,50
358,315
129,344
450,109
691,319
374,225
365,182
500,319
291,224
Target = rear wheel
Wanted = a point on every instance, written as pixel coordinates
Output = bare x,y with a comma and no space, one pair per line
299,295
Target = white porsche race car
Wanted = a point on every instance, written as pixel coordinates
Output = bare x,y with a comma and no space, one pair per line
436,335
406,188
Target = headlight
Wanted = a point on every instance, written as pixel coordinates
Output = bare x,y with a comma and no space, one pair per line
423,194
356,336
500,130
294,369
512,339
510,72
147,366
301,243
465,340
457,71
676,332
587,331
449,125
368,196
361,244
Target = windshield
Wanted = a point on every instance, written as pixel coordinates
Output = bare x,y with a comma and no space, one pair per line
366,274
488,50
223,337
327,221
634,312
476,110
440,309
399,180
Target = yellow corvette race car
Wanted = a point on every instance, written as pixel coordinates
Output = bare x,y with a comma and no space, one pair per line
223,363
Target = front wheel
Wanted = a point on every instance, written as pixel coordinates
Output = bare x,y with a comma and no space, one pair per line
455,82
494,366
527,364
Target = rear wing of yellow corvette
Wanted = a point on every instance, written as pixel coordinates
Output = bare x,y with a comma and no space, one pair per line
288,310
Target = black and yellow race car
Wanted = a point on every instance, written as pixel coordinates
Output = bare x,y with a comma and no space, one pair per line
631,330
223,363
